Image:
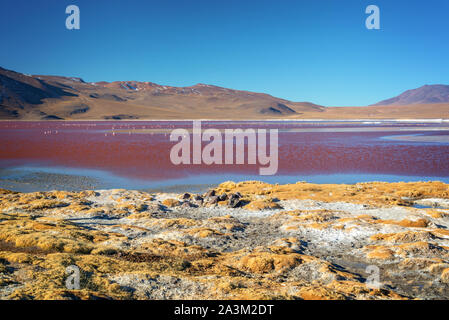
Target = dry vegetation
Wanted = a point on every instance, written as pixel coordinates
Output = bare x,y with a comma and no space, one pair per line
299,241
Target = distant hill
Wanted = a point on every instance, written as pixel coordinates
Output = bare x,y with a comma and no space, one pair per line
426,94
54,97
38,97
19,92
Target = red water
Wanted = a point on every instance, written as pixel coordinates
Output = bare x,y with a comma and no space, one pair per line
91,145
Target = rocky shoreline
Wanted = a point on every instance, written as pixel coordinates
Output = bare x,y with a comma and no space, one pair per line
247,240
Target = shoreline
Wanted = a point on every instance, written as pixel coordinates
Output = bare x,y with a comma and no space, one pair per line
37,178
246,120
420,138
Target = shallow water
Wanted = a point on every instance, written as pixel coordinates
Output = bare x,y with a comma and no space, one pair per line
135,154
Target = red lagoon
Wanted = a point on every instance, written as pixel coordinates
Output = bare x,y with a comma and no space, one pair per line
141,149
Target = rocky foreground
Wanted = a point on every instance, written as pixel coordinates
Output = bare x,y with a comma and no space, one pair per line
247,240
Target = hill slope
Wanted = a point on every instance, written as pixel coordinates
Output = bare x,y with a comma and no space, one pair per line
25,97
52,97
426,94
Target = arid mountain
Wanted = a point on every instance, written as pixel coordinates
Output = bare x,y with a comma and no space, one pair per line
25,97
426,94
18,92
52,97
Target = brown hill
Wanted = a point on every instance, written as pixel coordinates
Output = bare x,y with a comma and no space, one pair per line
24,97
19,93
52,97
437,93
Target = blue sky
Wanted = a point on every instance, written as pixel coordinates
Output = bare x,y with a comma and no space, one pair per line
310,50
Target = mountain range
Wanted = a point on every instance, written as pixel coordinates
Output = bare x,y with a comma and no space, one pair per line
39,97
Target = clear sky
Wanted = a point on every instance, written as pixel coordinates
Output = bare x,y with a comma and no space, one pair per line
302,50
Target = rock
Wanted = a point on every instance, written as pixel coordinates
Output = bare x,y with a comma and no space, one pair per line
198,199
223,197
170,203
258,205
235,203
213,200
210,193
185,196
188,204
235,196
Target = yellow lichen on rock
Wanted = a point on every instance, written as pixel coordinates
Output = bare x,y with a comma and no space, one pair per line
379,193
407,236
382,253
258,205
263,262
445,275
171,203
